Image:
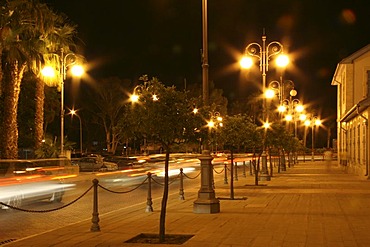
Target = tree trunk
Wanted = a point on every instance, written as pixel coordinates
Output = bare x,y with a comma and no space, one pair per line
256,165
1,72
39,113
162,223
12,87
271,165
232,175
279,162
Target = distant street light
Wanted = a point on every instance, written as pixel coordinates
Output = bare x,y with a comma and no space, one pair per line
313,122
74,113
264,53
65,61
214,123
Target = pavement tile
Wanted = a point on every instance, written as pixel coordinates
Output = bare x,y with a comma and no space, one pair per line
309,205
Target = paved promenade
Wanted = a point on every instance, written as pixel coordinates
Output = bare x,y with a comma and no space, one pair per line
310,204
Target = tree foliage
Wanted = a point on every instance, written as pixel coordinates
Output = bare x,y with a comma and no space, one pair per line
238,131
169,119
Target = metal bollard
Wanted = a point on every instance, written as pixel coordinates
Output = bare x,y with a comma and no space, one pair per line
181,193
225,177
244,172
149,202
95,215
236,171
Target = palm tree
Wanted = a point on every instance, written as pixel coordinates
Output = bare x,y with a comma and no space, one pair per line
14,55
27,33
58,36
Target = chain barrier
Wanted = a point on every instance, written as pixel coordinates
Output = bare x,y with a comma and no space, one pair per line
223,169
192,177
123,192
162,184
47,210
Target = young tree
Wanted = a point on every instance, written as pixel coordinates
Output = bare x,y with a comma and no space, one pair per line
164,115
276,137
239,131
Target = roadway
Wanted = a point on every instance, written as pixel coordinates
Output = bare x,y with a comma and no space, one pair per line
18,224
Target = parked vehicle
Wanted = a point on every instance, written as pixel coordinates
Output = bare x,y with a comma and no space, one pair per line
95,164
25,181
124,162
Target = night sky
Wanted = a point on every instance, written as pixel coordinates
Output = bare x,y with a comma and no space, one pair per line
163,38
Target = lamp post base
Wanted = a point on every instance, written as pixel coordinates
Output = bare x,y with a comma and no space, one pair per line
206,203
210,206
264,175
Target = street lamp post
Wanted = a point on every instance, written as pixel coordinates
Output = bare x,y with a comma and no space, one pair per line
206,201
293,108
264,53
77,70
74,113
205,64
64,61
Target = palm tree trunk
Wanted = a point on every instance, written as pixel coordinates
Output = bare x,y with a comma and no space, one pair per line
39,113
11,97
1,72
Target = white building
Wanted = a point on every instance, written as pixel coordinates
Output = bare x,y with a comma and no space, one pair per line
352,78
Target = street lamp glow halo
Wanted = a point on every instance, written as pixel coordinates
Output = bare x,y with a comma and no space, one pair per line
282,60
299,108
266,125
270,93
48,71
134,98
288,117
282,108
77,70
302,117
246,62
211,124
